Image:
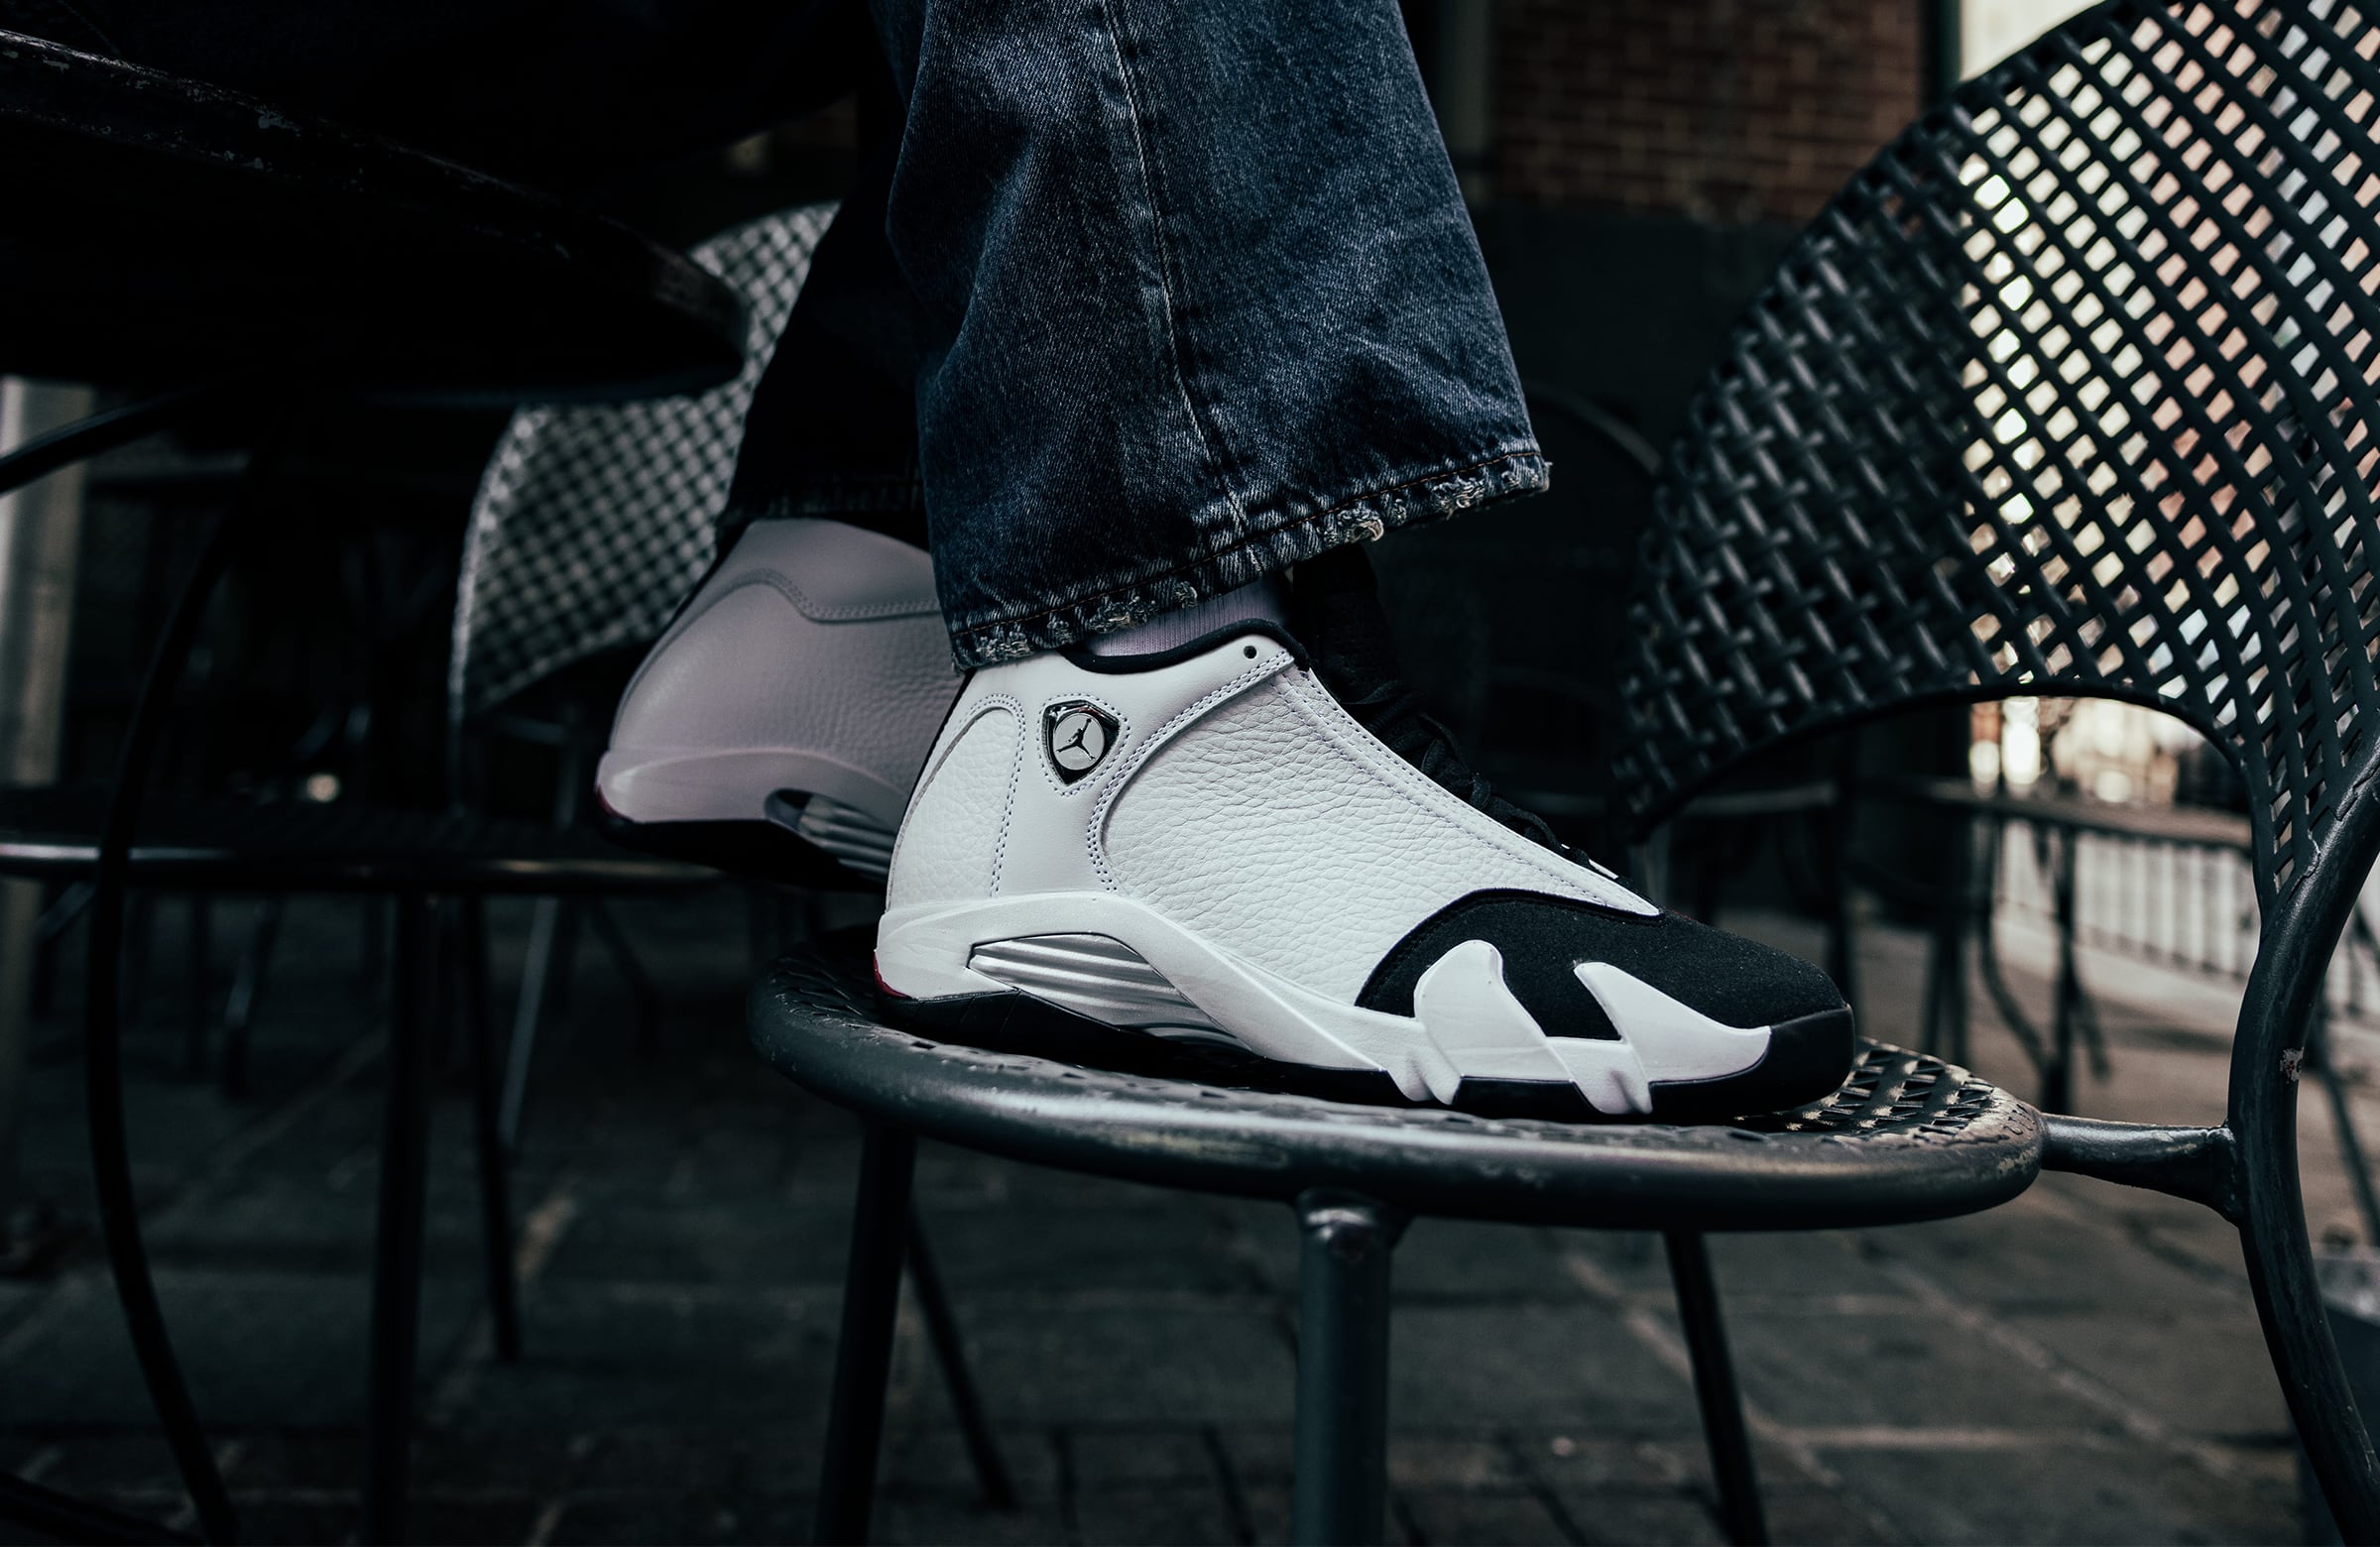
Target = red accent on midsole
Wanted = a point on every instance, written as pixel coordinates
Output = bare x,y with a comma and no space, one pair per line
882,986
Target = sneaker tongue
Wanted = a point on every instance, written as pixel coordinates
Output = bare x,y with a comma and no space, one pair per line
1335,612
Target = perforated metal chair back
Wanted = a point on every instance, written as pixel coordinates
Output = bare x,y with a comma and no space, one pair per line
2073,392
591,524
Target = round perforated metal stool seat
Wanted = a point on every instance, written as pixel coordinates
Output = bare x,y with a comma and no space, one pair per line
1907,1138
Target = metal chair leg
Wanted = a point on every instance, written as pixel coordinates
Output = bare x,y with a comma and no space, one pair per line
397,1251
633,974
563,981
2281,1272
1714,1391
864,1352
495,1172
372,941
950,1352
140,945
1835,823
199,922
537,973
1341,1492
59,917
2343,1121
247,988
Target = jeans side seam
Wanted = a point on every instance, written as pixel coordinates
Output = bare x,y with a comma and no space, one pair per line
1175,344
1450,489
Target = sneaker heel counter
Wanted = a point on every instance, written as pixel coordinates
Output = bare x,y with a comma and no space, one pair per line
718,678
950,842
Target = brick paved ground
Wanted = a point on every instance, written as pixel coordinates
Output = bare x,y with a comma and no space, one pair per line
2080,1366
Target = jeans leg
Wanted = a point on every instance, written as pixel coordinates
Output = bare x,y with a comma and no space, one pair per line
1196,298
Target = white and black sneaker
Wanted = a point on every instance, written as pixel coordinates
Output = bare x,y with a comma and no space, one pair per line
778,727
1200,861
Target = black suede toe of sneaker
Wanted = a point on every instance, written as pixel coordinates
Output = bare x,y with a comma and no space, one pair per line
1545,942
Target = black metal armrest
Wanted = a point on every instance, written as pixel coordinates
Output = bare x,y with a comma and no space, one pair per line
2200,1164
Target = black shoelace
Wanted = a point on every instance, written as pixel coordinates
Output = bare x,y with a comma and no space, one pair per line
1392,712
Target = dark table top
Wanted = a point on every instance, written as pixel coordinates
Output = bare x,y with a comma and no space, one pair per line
157,230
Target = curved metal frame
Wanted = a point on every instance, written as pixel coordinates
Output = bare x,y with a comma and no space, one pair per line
2062,396
2247,1169
2276,1014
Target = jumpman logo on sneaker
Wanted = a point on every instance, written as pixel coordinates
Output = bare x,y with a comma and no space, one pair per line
1079,735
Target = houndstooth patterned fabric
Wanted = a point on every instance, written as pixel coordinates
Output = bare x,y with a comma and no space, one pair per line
591,524
2074,389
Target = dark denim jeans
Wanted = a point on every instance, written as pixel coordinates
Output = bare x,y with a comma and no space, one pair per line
1146,298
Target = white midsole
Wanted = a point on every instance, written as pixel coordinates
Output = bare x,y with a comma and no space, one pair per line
923,951
713,784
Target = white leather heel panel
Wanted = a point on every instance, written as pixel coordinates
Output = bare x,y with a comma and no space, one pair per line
950,841
1054,838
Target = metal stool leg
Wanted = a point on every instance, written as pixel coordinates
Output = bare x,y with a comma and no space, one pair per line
1714,1389
495,1177
864,1354
1342,1486
397,1254
991,1471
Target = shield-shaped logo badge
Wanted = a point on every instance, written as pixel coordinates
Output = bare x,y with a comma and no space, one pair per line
1077,736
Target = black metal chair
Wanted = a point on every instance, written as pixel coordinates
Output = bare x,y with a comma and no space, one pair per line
1907,1137
2071,391
161,230
591,525
1487,621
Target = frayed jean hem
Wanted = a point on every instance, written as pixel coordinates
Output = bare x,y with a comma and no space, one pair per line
1363,519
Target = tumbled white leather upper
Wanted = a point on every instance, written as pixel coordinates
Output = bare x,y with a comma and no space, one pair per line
1238,799
815,653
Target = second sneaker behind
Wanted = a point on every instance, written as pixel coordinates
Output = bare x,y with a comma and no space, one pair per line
1205,847
777,725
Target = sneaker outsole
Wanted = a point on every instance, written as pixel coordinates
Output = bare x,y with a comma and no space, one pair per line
1809,1058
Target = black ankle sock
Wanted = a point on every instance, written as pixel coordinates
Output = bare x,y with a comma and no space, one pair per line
904,526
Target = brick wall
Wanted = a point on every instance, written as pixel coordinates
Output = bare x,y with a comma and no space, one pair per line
1726,110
